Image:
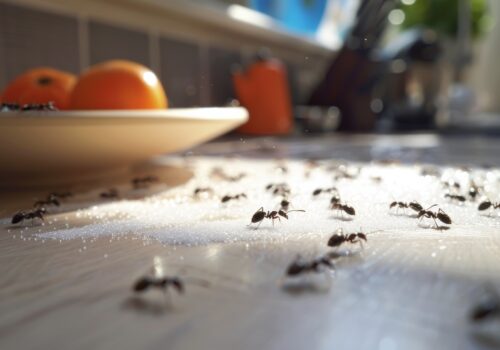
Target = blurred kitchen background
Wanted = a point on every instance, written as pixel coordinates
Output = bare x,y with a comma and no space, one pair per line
299,66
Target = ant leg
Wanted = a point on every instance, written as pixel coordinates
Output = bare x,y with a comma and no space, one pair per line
435,222
361,244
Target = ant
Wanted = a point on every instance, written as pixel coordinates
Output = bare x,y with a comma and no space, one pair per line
284,204
343,208
343,173
144,182
157,279
218,172
50,200
318,191
452,184
455,197
412,205
338,238
200,190
49,106
280,189
25,215
487,309
334,200
488,204
439,214
300,266
7,107
474,190
227,197
260,215
146,282
109,194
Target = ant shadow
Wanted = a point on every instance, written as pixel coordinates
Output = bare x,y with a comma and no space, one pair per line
489,215
302,287
341,218
18,227
486,339
413,216
434,227
148,307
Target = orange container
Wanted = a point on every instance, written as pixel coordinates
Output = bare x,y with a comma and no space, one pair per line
263,90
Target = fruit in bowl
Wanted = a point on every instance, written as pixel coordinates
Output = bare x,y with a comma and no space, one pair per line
118,84
39,86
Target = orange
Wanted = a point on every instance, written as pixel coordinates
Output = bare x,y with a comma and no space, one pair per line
40,85
118,84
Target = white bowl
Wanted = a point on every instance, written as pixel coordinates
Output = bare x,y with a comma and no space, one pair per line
46,147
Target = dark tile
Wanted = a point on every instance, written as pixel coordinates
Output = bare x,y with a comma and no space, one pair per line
108,42
181,72
31,38
221,83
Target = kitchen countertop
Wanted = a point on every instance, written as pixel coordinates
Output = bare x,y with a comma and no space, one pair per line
77,293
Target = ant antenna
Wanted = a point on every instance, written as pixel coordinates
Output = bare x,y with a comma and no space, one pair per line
431,206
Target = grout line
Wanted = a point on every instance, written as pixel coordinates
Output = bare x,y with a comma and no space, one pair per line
205,78
83,42
154,52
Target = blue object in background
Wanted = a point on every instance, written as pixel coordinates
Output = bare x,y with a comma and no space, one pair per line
300,16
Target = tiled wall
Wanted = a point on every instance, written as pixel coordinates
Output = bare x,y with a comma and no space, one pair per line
194,73
182,73
109,42
32,38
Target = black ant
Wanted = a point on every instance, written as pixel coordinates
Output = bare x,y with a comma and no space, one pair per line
474,190
412,205
227,197
218,172
200,190
144,182
280,189
455,197
318,191
339,238
487,309
26,215
50,200
284,204
452,184
439,214
260,215
300,266
49,106
334,200
109,194
343,173
7,107
156,279
488,204
343,208
146,282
